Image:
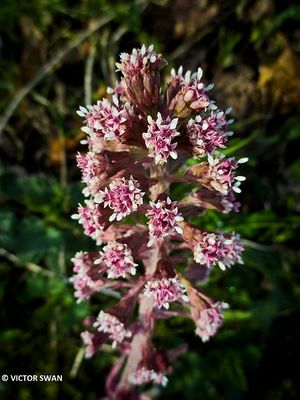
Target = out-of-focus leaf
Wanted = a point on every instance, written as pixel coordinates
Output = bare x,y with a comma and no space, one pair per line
37,192
291,129
295,169
291,13
7,229
228,41
236,315
34,240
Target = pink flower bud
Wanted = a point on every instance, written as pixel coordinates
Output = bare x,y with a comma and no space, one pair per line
141,77
191,95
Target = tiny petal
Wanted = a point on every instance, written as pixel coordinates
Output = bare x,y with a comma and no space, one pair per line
243,160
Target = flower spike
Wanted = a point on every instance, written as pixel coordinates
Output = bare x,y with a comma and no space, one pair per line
149,255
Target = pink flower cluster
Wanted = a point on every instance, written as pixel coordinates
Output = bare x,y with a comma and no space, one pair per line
209,133
159,137
144,375
165,291
209,320
92,341
213,248
104,120
117,258
92,220
187,94
206,313
164,219
123,197
140,140
110,324
87,278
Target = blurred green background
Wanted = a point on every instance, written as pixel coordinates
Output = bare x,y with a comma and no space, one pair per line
57,54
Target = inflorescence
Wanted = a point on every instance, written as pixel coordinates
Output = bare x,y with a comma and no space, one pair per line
139,139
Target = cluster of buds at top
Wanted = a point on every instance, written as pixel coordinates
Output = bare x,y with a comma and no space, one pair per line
139,139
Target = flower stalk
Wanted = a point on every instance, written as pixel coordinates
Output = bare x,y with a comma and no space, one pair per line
139,139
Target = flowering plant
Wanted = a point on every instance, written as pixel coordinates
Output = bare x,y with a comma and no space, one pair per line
139,140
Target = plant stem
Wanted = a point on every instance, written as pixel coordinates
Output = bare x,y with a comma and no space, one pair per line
146,320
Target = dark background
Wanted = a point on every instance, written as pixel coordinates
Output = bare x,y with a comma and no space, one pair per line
250,50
